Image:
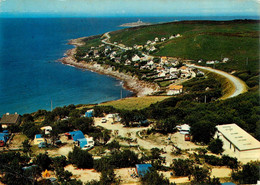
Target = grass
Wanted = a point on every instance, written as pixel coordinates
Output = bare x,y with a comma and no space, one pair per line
165,83
134,102
18,139
207,40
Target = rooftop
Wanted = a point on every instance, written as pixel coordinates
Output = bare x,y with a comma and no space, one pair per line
240,138
175,87
9,118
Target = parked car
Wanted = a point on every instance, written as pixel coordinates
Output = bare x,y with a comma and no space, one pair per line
42,145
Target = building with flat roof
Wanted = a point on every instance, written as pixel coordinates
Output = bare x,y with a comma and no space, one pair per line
238,143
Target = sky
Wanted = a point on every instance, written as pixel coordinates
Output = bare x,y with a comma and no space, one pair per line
126,8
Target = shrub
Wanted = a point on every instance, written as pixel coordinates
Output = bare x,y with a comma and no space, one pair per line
81,158
215,146
182,167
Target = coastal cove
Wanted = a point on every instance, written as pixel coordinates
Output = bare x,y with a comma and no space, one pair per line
140,88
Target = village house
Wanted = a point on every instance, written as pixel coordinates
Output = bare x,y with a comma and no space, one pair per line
225,60
150,63
156,39
10,119
161,74
148,42
135,58
210,62
173,70
163,39
127,62
118,60
175,89
96,53
171,37
139,47
184,69
152,48
238,143
153,43
178,35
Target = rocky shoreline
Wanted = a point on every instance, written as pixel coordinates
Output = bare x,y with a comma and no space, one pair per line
139,87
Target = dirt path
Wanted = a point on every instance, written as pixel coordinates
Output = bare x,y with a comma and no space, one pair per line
145,144
239,86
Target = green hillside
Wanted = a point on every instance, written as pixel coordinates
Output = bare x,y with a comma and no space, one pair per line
207,40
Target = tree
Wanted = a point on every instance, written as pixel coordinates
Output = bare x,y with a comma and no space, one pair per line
215,146
43,161
156,153
114,145
203,131
26,146
83,124
30,129
59,162
54,134
107,177
153,178
81,158
200,175
167,125
182,167
249,174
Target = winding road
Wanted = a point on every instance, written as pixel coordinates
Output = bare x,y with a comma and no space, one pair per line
239,86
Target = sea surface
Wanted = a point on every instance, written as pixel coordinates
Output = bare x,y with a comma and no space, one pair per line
30,76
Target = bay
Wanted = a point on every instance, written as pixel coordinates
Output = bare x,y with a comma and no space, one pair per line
31,77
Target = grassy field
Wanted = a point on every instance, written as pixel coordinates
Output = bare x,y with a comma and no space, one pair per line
135,102
207,40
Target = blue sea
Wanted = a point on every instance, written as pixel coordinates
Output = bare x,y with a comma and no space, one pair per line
31,77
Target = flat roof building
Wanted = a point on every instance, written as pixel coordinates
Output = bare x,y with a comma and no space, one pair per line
238,143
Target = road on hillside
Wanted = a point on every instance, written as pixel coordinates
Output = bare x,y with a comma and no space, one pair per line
239,85
106,41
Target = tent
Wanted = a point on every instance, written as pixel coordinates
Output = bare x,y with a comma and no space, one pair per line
76,135
89,113
4,137
142,169
46,173
82,142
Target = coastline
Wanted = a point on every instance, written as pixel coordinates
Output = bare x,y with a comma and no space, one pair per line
139,87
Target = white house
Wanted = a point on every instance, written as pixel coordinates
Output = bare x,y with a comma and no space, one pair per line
150,63
161,74
173,69
225,60
152,48
238,143
156,39
148,42
135,58
163,39
210,62
127,62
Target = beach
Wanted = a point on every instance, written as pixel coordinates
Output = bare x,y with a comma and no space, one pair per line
139,87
